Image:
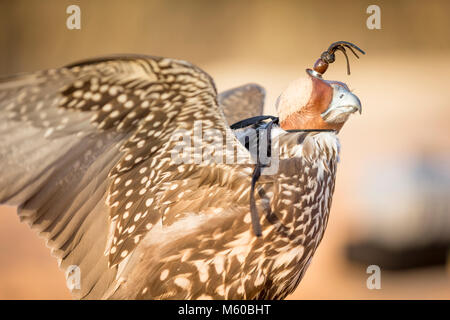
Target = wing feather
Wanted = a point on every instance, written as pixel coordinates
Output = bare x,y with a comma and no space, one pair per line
88,146
242,102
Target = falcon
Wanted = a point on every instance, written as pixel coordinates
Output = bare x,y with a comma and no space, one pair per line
86,155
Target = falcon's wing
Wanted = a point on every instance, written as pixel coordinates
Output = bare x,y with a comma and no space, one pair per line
85,152
242,102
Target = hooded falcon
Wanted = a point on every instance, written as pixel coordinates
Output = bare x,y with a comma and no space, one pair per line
87,156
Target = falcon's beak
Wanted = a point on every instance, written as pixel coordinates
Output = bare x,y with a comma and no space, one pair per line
342,104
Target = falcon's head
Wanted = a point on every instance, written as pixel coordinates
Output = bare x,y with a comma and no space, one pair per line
314,103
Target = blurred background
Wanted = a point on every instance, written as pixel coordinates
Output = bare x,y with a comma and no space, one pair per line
390,206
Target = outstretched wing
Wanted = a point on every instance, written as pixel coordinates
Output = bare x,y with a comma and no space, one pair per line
86,154
242,102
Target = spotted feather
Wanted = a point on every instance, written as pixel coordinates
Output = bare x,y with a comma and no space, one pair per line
86,155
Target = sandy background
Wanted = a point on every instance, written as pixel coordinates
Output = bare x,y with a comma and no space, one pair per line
402,82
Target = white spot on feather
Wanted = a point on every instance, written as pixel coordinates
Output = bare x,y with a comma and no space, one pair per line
182,282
